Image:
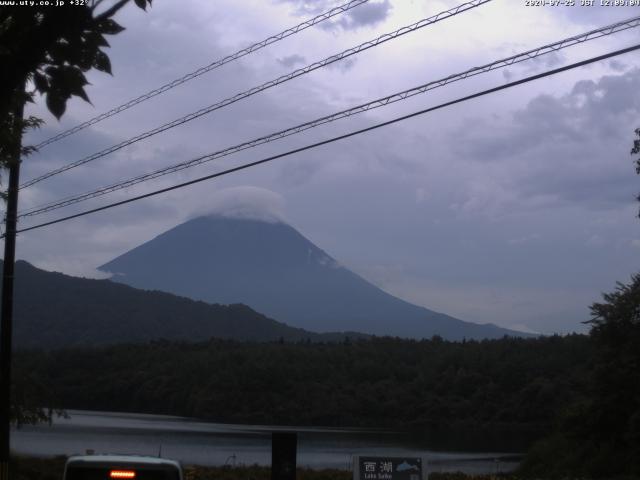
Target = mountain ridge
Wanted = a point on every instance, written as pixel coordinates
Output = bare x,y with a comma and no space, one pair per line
273,268
55,310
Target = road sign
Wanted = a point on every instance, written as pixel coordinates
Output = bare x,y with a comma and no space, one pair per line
387,468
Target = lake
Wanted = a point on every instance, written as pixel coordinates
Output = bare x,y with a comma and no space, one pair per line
201,443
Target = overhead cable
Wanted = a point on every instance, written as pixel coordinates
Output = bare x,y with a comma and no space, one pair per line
337,138
396,97
272,83
201,71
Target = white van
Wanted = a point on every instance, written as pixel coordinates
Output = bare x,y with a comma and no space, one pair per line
110,467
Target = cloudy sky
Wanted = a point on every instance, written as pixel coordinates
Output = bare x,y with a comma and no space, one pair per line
516,208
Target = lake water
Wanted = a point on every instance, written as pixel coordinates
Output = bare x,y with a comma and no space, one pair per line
195,442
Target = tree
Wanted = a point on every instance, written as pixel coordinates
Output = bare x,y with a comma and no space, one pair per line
54,47
598,436
46,48
49,48
615,409
635,151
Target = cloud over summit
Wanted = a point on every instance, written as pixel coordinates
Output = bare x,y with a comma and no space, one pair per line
246,202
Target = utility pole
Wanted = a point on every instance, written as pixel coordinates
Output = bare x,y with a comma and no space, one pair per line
6,310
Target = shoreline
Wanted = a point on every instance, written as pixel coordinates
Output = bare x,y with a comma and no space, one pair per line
211,445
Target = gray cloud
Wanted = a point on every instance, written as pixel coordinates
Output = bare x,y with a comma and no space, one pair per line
368,15
292,60
246,202
535,65
313,7
572,148
597,14
551,60
618,66
343,66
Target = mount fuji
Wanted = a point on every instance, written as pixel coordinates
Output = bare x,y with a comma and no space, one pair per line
274,269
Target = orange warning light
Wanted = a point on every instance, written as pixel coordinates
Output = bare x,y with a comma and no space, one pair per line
122,474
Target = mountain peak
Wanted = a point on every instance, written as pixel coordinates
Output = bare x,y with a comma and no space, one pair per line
277,271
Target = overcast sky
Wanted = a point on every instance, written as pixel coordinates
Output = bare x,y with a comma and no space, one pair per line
517,208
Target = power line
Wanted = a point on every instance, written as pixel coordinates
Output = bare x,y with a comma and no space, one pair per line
531,54
340,137
201,71
272,83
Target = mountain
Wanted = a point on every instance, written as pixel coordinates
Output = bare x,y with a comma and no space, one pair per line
54,310
271,267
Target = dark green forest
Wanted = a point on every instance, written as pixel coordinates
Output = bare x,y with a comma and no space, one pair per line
502,393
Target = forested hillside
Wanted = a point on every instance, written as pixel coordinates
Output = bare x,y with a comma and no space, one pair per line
53,310
502,391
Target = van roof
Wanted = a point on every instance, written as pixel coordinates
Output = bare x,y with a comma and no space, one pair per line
121,459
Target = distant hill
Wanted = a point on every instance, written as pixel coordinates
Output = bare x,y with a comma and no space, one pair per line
54,310
275,270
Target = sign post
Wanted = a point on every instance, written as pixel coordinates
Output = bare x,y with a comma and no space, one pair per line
284,447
